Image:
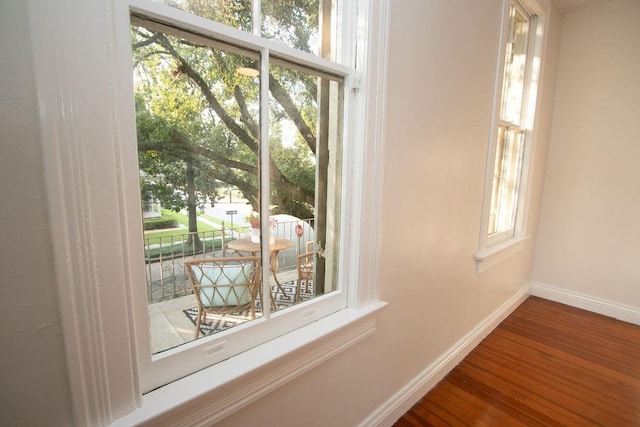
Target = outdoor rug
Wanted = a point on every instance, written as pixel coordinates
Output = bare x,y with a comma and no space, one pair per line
220,322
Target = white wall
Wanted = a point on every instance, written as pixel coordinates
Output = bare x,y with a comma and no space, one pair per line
34,390
441,74
441,69
590,225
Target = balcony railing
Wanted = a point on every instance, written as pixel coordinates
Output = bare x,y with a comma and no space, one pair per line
165,256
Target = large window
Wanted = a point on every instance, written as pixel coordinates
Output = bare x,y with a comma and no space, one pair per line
233,128
504,208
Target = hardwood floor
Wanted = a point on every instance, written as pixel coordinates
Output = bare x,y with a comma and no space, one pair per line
546,364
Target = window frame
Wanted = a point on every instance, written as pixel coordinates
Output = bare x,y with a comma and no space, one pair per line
492,249
162,368
87,161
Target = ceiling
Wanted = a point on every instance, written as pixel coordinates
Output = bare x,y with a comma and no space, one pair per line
569,6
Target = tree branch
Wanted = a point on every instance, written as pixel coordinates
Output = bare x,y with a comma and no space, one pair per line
244,113
290,190
292,111
179,143
186,68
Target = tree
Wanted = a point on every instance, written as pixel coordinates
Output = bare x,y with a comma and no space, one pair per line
195,109
177,177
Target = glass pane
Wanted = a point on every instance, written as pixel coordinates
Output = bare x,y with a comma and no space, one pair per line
305,155
506,180
306,25
197,134
515,68
300,24
234,13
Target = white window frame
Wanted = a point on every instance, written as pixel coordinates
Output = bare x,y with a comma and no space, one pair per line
162,368
494,249
94,216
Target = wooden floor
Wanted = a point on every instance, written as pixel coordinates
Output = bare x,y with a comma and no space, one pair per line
546,364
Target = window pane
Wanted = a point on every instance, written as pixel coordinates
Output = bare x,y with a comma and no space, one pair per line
305,172
300,24
515,68
506,180
306,25
234,13
197,133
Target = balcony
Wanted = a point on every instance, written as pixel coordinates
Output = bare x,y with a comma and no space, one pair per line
169,292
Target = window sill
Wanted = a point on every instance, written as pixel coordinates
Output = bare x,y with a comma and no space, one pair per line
499,252
214,393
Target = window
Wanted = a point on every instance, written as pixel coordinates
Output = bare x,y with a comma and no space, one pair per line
220,114
511,139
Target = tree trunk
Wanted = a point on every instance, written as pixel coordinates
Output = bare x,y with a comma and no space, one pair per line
194,239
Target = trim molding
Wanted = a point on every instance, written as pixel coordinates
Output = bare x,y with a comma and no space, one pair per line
499,252
372,57
80,149
406,397
214,393
616,310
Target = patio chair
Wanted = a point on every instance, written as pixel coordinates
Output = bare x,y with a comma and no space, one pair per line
304,264
224,285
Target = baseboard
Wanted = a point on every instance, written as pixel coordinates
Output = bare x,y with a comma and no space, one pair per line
597,305
405,398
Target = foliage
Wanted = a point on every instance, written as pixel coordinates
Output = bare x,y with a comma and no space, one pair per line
159,223
198,118
254,219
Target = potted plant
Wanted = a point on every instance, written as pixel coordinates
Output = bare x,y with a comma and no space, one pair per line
254,220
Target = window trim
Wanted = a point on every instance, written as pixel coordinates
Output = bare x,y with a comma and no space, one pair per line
85,159
492,251
270,365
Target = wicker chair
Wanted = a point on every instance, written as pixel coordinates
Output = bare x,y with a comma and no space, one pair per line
224,285
304,264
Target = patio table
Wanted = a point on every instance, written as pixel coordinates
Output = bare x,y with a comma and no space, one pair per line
246,245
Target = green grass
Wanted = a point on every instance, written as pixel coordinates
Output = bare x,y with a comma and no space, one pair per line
181,219
180,249
164,237
236,225
211,218
159,223
180,236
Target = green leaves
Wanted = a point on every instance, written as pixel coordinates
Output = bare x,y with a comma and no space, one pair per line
193,106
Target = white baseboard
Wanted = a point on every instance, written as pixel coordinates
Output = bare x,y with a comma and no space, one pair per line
597,305
406,397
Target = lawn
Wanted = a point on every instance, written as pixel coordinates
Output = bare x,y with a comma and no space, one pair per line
183,220
180,249
166,247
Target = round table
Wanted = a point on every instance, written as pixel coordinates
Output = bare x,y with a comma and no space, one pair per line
246,245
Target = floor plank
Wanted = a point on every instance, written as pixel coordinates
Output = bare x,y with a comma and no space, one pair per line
547,364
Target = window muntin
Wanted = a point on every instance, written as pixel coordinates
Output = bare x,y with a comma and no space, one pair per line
511,132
